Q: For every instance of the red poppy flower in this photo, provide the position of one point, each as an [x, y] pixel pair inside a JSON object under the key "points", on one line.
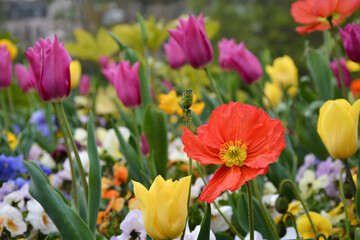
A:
{"points": [[315, 13], [244, 139]]}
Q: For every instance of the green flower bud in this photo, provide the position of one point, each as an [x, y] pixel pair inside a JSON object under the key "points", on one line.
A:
{"points": [[281, 229], [281, 205], [187, 98]]}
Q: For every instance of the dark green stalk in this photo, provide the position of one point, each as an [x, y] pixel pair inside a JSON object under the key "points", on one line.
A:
{"points": [[343, 200], [250, 211], [213, 86], [349, 177]]}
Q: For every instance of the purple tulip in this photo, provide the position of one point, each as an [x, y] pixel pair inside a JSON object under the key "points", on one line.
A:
{"points": [[49, 62], [5, 68], [24, 78], [238, 58], [350, 37], [84, 85], [144, 144], [174, 54], [192, 38], [126, 82], [345, 71]]}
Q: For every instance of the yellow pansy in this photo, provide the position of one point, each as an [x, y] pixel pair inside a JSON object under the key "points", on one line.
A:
{"points": [[352, 66], [11, 138], [322, 225], [169, 103], [284, 73], [164, 207], [75, 73], [273, 95], [293, 208], [338, 127], [10, 46]]}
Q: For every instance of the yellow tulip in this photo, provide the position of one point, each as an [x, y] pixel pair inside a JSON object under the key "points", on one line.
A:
{"points": [[352, 66], [273, 95], [75, 72], [338, 127], [322, 225], [284, 73], [164, 206], [10, 46]]}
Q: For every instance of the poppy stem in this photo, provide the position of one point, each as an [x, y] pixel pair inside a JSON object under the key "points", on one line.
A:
{"points": [[294, 224], [269, 221], [349, 177], [73, 144], [344, 203], [337, 56], [250, 211], [71, 161], [293, 187], [213, 86]]}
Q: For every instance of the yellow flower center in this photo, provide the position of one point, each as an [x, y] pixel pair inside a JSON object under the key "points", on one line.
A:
{"points": [[6, 165], [11, 225], [233, 153]]}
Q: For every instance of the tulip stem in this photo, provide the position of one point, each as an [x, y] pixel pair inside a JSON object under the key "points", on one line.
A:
{"points": [[349, 177], [68, 150], [11, 101], [250, 210], [337, 56], [77, 157], [269, 221], [213, 85], [293, 187], [343, 200], [4, 111]]}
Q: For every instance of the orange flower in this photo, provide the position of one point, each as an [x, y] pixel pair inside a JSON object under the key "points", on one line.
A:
{"points": [[315, 13], [121, 174], [355, 87], [110, 194], [244, 139]]}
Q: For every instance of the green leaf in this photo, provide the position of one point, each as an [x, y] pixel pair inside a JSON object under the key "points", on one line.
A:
{"points": [[205, 224], [121, 45], [143, 31], [69, 224], [44, 143], [319, 69], [135, 163], [94, 194], [144, 86], [155, 127], [357, 233]]}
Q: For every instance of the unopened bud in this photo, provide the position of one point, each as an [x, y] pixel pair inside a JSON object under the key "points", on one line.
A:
{"points": [[281, 205], [187, 98], [281, 229]]}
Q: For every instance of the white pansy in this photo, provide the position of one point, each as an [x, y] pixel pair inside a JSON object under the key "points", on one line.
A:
{"points": [[176, 151], [84, 158], [17, 198], [132, 224], [269, 201], [196, 189], [13, 219], [269, 188], [218, 224], [38, 218], [111, 142], [310, 185], [47, 161], [80, 135], [195, 234]]}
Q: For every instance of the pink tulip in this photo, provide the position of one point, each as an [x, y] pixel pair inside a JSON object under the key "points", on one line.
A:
{"points": [[345, 72], [192, 38], [104, 61], [24, 78], [174, 54], [84, 85], [5, 68], [109, 72], [49, 62], [126, 82], [238, 58]]}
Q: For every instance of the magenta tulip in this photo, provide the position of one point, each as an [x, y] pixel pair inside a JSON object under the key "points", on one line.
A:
{"points": [[350, 37], [109, 72], [5, 68], [175, 54], [126, 82], [24, 78], [192, 38], [84, 85], [104, 61], [145, 149], [240, 59], [49, 62], [345, 71]]}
